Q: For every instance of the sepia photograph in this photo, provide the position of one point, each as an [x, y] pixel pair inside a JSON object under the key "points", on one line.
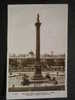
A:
{"points": [[37, 51]]}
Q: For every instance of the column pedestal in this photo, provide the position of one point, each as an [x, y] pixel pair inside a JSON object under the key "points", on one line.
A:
{"points": [[38, 74]]}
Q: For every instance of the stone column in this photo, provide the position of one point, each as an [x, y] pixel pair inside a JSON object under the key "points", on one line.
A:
{"points": [[38, 74], [37, 24]]}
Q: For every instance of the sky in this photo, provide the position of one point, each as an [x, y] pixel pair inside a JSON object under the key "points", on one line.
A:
{"points": [[22, 30]]}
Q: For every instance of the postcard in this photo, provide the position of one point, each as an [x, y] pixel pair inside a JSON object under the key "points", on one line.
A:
{"points": [[37, 51]]}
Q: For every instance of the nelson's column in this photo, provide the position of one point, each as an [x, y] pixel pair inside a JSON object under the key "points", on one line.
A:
{"points": [[38, 74]]}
